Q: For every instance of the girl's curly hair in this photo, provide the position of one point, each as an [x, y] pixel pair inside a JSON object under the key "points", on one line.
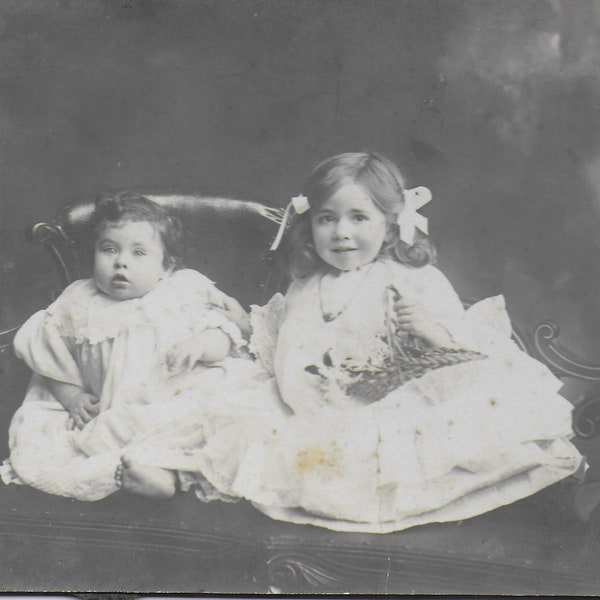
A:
{"points": [[383, 183], [131, 206]]}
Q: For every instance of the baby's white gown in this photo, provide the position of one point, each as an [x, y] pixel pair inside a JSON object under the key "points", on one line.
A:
{"points": [[116, 350], [452, 444]]}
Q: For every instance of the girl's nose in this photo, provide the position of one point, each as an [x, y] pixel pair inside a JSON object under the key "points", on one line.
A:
{"points": [[341, 231]]}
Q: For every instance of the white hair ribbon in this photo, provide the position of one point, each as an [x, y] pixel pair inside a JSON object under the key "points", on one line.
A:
{"points": [[409, 220], [300, 205]]}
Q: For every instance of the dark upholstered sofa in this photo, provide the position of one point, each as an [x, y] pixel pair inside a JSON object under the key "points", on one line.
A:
{"points": [[128, 543]]}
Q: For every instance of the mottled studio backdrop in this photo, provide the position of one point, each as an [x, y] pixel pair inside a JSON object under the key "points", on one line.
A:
{"points": [[495, 105]]}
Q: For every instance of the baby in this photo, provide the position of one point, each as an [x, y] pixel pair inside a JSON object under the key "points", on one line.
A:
{"points": [[113, 347]]}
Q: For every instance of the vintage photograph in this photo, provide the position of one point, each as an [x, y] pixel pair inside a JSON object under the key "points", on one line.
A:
{"points": [[300, 296]]}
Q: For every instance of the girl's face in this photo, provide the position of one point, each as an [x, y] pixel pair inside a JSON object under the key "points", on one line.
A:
{"points": [[128, 260], [348, 229]]}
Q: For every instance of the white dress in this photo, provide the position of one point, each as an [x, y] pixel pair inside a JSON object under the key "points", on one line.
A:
{"points": [[452, 444], [116, 350]]}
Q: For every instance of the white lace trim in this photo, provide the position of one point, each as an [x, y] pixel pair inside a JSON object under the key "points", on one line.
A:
{"points": [[84, 314], [264, 324], [202, 488]]}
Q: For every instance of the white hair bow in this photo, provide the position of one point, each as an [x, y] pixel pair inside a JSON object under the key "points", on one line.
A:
{"points": [[300, 205], [409, 220]]}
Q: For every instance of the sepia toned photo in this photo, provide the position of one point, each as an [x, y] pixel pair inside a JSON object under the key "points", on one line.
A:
{"points": [[300, 297]]}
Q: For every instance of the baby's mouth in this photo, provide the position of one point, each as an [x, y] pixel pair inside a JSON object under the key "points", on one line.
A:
{"points": [[120, 279]]}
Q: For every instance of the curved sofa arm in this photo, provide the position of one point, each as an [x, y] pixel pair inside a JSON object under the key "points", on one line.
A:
{"points": [[559, 359], [563, 363], [60, 248], [586, 418]]}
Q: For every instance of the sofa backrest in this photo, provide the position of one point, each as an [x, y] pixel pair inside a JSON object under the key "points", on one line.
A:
{"points": [[227, 240]]}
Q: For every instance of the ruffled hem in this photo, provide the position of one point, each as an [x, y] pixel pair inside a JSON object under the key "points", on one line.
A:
{"points": [[468, 506], [202, 488], [8, 475], [344, 471]]}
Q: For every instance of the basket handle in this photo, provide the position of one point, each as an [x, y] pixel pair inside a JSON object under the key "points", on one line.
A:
{"points": [[396, 340]]}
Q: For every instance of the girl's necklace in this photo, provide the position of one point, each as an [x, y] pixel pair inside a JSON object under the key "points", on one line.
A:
{"points": [[329, 316]]}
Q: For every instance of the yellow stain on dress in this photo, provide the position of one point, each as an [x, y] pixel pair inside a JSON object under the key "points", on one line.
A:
{"points": [[326, 462]]}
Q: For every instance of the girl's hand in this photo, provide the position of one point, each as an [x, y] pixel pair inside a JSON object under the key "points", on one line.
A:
{"points": [[411, 317], [83, 408]]}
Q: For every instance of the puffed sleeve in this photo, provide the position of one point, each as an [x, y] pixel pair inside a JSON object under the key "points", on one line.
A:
{"points": [[430, 287], [438, 296], [215, 319], [41, 345], [485, 326], [264, 324], [193, 301]]}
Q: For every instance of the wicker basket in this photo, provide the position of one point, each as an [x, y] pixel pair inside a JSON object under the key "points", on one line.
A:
{"points": [[400, 368], [407, 359]]}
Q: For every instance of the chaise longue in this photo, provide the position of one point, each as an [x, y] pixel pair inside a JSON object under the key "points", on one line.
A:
{"points": [[135, 544]]}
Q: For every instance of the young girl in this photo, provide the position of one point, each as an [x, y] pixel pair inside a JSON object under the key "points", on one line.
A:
{"points": [[407, 409], [114, 356]]}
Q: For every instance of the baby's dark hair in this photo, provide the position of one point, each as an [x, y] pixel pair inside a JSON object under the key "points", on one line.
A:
{"points": [[131, 206], [383, 183]]}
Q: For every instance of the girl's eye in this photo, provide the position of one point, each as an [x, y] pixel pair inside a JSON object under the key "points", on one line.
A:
{"points": [[139, 253], [326, 219], [361, 218], [109, 250]]}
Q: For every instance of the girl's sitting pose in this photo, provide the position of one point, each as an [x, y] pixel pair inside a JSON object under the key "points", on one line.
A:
{"points": [[113, 357], [407, 409]]}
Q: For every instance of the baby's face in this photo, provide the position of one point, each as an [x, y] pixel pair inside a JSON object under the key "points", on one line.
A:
{"points": [[128, 260]]}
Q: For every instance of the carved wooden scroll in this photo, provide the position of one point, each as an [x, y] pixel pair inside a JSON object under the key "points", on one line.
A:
{"points": [[61, 249], [586, 416]]}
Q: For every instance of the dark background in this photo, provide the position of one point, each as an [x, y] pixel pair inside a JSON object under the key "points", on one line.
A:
{"points": [[494, 105]]}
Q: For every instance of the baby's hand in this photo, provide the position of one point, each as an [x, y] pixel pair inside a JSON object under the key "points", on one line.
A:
{"points": [[83, 408], [231, 308], [185, 354]]}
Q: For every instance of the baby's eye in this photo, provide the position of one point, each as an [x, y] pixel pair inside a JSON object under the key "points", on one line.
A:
{"points": [[139, 253], [108, 250]]}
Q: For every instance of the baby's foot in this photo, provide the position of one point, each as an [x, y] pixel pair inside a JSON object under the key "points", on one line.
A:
{"points": [[146, 480]]}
